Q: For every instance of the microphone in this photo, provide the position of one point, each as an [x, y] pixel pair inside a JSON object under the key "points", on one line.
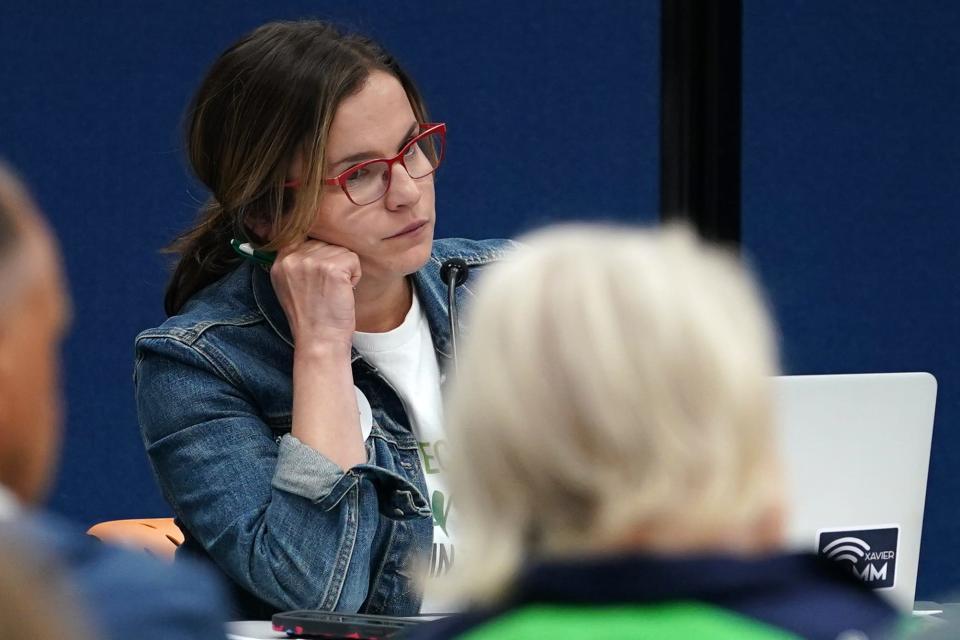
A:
{"points": [[454, 272]]}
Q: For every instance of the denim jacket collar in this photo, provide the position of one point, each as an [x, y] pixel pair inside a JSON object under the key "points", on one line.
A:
{"points": [[269, 304]]}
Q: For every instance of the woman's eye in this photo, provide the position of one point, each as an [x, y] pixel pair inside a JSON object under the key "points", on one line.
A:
{"points": [[357, 175], [412, 151]]}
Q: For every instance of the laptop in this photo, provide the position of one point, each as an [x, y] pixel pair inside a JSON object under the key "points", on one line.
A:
{"points": [[856, 449]]}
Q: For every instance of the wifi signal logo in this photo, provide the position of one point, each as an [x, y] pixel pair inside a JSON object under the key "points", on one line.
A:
{"points": [[847, 548], [871, 554]]}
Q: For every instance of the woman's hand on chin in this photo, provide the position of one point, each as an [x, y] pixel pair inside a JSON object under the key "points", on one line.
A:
{"points": [[314, 281]]}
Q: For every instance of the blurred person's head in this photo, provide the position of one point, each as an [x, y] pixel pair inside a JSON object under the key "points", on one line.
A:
{"points": [[33, 317], [614, 395]]}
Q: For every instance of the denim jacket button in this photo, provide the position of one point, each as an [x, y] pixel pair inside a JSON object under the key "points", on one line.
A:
{"points": [[398, 512]]}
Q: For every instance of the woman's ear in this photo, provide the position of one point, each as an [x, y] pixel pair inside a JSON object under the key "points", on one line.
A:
{"points": [[258, 230], [771, 527]]}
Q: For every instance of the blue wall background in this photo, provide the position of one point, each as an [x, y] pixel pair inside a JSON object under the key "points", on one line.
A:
{"points": [[851, 179], [553, 112]]}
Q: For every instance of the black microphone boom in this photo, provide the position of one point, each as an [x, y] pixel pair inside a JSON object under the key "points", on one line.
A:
{"points": [[454, 272]]}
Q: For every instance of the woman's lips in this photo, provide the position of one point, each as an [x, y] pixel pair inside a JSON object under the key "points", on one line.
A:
{"points": [[409, 229]]}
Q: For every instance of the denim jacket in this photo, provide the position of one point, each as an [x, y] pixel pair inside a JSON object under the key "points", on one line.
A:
{"points": [[284, 523]]}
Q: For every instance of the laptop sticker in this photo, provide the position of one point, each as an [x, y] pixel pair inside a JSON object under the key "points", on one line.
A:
{"points": [[870, 553]]}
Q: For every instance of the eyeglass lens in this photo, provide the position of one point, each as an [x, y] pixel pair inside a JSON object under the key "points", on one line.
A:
{"points": [[368, 183]]}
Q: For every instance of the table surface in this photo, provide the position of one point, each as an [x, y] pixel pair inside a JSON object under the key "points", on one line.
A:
{"points": [[263, 629], [252, 630]]}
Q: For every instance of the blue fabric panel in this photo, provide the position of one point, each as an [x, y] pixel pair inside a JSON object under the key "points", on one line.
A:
{"points": [[553, 110], [850, 188]]}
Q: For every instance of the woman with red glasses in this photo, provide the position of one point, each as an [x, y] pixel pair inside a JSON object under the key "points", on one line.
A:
{"points": [[290, 404]]}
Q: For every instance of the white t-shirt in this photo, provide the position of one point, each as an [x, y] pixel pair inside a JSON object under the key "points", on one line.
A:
{"points": [[406, 359]]}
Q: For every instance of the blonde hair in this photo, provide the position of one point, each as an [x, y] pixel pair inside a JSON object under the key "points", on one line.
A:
{"points": [[615, 381]]}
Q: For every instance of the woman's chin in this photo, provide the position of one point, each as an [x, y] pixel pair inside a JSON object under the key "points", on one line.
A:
{"points": [[418, 256], [398, 265]]}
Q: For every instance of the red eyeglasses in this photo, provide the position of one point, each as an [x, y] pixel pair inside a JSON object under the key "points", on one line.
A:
{"points": [[369, 181]]}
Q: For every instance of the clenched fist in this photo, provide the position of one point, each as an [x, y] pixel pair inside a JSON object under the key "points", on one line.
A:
{"points": [[314, 282]]}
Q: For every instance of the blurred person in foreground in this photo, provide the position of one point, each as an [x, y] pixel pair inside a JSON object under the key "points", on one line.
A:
{"points": [[613, 456], [123, 594], [30, 589]]}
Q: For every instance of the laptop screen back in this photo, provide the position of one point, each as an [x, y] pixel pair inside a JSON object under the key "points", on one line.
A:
{"points": [[856, 449]]}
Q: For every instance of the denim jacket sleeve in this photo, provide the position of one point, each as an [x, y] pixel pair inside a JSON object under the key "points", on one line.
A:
{"points": [[284, 522]]}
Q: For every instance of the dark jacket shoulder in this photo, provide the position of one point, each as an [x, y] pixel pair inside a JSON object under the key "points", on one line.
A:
{"points": [[123, 591]]}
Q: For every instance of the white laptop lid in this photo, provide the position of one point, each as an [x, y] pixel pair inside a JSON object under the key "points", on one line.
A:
{"points": [[856, 450]]}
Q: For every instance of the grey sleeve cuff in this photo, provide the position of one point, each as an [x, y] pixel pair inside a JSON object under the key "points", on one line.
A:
{"points": [[304, 471]]}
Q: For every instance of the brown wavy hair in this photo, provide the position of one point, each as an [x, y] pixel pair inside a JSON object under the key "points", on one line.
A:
{"points": [[266, 98]]}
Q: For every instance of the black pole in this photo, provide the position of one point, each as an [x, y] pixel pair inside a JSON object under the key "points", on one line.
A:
{"points": [[700, 131]]}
